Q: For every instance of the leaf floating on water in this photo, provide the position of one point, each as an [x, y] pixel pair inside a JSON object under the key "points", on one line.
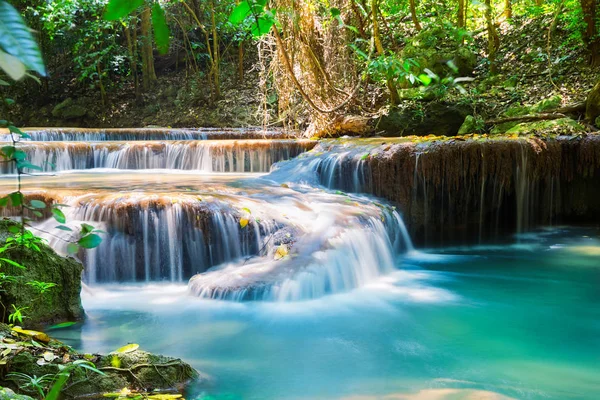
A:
{"points": [[285, 185], [281, 252], [243, 222], [127, 348], [247, 210], [62, 325]]}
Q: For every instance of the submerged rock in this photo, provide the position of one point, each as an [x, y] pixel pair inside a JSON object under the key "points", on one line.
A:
{"points": [[57, 304], [127, 368]]}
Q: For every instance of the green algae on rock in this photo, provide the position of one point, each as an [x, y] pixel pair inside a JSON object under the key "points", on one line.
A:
{"points": [[59, 303]]}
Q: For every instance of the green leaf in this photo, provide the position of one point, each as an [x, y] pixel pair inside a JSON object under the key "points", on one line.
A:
{"points": [[64, 228], [161, 29], [335, 12], [16, 199], [246, 209], [38, 204], [4, 201], [90, 241], [239, 13], [14, 68], [14, 229], [425, 79], [58, 215], [86, 228], [72, 248], [117, 9], [262, 26], [13, 263], [16, 39], [128, 348], [62, 325]]}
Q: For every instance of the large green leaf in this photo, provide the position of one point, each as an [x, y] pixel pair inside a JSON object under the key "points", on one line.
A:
{"points": [[239, 13], [117, 9], [90, 241], [16, 39], [14, 68], [262, 26], [161, 29]]}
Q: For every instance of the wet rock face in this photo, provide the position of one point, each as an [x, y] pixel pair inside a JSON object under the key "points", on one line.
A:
{"points": [[460, 190], [436, 118], [58, 304]]}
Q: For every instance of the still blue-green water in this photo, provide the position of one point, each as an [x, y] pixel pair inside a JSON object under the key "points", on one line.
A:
{"points": [[518, 320]]}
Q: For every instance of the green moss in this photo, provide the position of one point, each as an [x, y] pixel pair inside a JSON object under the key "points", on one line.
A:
{"points": [[547, 104], [559, 126], [58, 304], [7, 394]]}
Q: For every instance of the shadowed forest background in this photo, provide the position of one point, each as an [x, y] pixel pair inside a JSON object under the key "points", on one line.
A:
{"points": [[335, 67]]}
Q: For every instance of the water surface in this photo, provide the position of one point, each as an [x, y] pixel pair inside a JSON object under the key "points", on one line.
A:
{"points": [[515, 321]]}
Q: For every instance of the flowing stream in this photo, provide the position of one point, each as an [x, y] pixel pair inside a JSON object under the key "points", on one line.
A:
{"points": [[241, 257]]}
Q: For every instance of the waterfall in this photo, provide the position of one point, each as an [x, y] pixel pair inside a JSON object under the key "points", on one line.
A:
{"points": [[209, 156], [285, 236], [135, 134]]}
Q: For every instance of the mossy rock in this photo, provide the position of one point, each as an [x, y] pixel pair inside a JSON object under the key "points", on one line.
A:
{"points": [[137, 370], [7, 394], [69, 109], [437, 118], [469, 126], [547, 104], [560, 126], [58, 304]]}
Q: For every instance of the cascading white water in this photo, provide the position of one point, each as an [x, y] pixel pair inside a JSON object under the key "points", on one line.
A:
{"points": [[275, 237], [209, 156], [330, 258], [134, 134]]}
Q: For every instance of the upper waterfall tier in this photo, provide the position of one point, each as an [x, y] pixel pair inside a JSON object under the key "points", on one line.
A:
{"points": [[130, 134], [208, 155]]}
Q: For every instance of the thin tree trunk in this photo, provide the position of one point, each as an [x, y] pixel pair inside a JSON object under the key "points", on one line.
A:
{"points": [[461, 13], [148, 72], [493, 40], [132, 50], [391, 85], [241, 62], [413, 14], [216, 56]]}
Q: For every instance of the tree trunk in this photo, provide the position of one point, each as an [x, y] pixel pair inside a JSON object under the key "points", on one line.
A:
{"points": [[493, 40], [507, 9], [461, 14], [133, 60], [241, 62], [391, 85], [590, 35], [148, 72], [216, 56], [592, 104], [413, 14]]}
